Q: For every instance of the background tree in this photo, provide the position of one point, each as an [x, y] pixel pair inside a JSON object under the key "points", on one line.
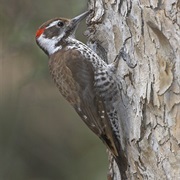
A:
{"points": [[149, 109], [35, 122]]}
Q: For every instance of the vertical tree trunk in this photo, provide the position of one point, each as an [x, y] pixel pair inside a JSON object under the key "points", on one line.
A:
{"points": [[149, 108]]}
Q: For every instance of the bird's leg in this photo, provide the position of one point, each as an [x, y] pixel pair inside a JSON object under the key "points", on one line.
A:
{"points": [[125, 56]]}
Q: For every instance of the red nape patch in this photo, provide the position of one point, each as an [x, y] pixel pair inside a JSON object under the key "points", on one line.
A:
{"points": [[39, 32]]}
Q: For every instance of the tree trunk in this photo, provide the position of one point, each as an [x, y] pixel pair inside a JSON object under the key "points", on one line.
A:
{"points": [[149, 108]]}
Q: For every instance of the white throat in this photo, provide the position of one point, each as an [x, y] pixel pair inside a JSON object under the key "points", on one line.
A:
{"points": [[49, 45]]}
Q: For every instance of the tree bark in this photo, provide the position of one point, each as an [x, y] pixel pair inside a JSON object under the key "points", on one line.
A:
{"points": [[149, 106]]}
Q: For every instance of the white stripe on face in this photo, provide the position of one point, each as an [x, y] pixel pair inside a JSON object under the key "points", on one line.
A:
{"points": [[52, 24], [49, 44]]}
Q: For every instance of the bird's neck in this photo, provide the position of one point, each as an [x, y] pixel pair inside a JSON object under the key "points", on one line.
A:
{"points": [[85, 51], [87, 54]]}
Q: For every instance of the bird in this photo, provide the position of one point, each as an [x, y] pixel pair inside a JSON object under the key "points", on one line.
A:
{"points": [[84, 79]]}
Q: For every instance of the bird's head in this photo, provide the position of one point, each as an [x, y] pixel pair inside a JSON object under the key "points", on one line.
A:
{"points": [[51, 33]]}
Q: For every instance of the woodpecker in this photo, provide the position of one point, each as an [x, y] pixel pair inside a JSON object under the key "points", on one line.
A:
{"points": [[84, 79]]}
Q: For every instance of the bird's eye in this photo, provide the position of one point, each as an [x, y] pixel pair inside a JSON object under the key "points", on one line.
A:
{"points": [[60, 24]]}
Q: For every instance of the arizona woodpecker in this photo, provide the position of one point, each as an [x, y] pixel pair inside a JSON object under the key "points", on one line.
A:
{"points": [[87, 82]]}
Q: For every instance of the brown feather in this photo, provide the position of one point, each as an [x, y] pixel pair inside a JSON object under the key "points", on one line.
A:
{"points": [[74, 76]]}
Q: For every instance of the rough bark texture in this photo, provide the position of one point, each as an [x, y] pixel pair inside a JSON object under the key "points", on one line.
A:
{"points": [[149, 109]]}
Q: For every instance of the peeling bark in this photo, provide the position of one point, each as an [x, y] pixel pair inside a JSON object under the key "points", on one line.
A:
{"points": [[149, 110]]}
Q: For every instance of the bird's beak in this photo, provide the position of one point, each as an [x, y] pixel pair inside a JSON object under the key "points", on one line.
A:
{"points": [[75, 21]]}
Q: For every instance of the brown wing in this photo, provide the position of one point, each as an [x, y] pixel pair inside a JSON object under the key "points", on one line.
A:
{"points": [[83, 75], [76, 83]]}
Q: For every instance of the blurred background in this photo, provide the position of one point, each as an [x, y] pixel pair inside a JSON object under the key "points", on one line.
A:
{"points": [[41, 137]]}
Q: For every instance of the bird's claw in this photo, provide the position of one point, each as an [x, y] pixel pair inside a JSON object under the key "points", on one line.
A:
{"points": [[125, 56]]}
